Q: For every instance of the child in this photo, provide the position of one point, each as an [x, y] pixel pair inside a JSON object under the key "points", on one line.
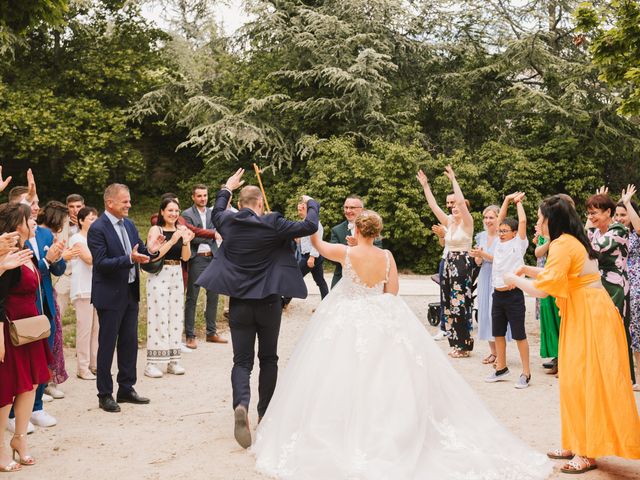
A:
{"points": [[508, 302]]}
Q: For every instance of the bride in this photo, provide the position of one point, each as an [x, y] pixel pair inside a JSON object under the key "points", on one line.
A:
{"points": [[368, 395]]}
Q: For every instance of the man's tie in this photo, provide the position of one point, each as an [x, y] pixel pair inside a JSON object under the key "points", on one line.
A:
{"points": [[127, 248]]}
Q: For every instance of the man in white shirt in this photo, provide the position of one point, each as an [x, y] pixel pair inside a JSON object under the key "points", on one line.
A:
{"points": [[508, 307], [311, 260]]}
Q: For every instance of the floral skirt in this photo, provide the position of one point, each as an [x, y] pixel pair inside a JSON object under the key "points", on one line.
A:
{"points": [[456, 297]]}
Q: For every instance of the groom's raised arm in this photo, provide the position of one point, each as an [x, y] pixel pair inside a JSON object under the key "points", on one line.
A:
{"points": [[308, 226]]}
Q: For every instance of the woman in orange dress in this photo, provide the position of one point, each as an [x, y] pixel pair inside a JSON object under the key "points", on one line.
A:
{"points": [[597, 406]]}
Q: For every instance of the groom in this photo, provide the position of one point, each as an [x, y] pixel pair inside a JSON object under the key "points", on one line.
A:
{"points": [[255, 267]]}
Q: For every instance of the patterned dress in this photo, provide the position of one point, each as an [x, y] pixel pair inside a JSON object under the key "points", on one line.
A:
{"points": [[633, 269], [165, 309], [549, 319], [613, 249]]}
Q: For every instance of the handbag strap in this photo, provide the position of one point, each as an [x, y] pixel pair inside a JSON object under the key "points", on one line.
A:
{"points": [[38, 277]]}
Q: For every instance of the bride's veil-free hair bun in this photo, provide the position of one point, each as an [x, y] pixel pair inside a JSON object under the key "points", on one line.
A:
{"points": [[369, 224]]}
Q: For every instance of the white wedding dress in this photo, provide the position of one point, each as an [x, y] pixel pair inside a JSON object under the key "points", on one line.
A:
{"points": [[368, 395]]}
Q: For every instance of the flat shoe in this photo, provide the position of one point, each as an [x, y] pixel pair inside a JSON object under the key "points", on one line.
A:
{"points": [[580, 466], [559, 454], [241, 430], [490, 359]]}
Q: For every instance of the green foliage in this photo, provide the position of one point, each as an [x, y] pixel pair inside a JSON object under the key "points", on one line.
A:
{"points": [[614, 29]]}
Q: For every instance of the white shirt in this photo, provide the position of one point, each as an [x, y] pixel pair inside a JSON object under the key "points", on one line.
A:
{"points": [[307, 247], [81, 273], [507, 258], [203, 247]]}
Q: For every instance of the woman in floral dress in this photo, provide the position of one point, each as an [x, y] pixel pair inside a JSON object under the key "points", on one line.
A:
{"points": [[627, 214], [458, 273], [610, 239]]}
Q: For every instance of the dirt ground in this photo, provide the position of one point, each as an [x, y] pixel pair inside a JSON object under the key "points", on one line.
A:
{"points": [[186, 430]]}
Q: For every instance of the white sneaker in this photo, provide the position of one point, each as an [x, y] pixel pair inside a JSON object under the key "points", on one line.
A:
{"points": [[53, 390], [11, 426], [152, 371], [185, 349], [441, 335], [43, 419], [47, 398], [175, 368]]}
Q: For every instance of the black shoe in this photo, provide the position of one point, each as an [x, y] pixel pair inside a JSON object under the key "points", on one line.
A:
{"points": [[550, 364], [108, 404], [131, 397]]}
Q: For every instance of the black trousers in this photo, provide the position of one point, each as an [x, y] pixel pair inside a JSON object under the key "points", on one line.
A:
{"points": [[317, 272], [118, 330], [248, 319]]}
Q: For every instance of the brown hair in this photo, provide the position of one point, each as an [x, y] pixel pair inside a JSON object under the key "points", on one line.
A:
{"points": [[84, 212], [249, 196], [199, 186], [74, 197], [53, 215], [16, 192], [601, 201], [369, 224], [12, 215]]}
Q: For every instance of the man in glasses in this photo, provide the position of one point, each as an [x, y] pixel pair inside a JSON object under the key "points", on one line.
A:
{"points": [[344, 232]]}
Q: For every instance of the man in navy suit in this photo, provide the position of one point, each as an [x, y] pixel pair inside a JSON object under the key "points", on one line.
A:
{"points": [[255, 266], [117, 251]]}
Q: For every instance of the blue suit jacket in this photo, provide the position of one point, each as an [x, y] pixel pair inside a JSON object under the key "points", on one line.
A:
{"points": [[111, 265], [255, 259], [44, 239]]}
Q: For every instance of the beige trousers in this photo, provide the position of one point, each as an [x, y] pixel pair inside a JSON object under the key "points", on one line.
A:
{"points": [[86, 334]]}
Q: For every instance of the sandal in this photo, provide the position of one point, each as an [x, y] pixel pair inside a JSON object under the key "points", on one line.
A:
{"points": [[560, 454], [10, 467], [490, 359], [581, 465], [459, 354]]}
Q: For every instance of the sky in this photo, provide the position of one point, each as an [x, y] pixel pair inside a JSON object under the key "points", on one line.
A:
{"points": [[231, 15]]}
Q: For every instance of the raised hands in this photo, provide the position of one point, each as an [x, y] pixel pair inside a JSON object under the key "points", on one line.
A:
{"points": [[5, 182], [9, 243], [603, 190], [31, 183], [627, 194], [234, 181], [448, 171], [515, 197], [422, 178], [439, 230]]}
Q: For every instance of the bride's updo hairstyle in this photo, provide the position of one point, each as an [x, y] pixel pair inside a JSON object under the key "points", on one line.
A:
{"points": [[369, 224]]}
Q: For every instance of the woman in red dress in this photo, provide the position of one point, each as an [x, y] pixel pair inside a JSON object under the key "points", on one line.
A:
{"points": [[21, 368]]}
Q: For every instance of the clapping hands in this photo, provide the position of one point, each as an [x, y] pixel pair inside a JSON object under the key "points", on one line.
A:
{"points": [[9, 243], [183, 233], [627, 194]]}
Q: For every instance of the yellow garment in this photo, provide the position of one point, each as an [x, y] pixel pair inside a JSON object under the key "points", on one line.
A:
{"points": [[597, 405]]}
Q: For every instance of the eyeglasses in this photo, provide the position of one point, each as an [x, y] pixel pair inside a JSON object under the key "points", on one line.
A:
{"points": [[351, 208], [504, 232]]}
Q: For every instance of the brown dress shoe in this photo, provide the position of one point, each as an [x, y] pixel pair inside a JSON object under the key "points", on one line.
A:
{"points": [[216, 339], [192, 343]]}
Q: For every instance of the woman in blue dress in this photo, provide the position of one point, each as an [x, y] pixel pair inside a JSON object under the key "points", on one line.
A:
{"points": [[483, 254]]}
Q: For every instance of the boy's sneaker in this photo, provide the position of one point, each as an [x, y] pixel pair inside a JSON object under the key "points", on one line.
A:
{"points": [[523, 381], [498, 375], [441, 335]]}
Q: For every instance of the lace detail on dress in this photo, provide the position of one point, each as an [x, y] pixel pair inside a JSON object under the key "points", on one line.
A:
{"points": [[356, 286]]}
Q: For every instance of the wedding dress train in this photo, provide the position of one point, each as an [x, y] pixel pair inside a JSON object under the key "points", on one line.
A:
{"points": [[368, 395]]}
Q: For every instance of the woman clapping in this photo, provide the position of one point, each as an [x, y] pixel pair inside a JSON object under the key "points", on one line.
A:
{"points": [[165, 294]]}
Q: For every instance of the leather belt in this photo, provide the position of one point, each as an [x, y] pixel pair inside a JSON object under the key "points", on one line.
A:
{"points": [[204, 254], [172, 262]]}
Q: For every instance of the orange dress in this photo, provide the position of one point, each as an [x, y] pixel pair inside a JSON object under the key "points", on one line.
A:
{"points": [[597, 405]]}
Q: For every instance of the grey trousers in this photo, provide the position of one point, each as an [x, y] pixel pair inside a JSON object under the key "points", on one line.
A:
{"points": [[197, 265]]}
